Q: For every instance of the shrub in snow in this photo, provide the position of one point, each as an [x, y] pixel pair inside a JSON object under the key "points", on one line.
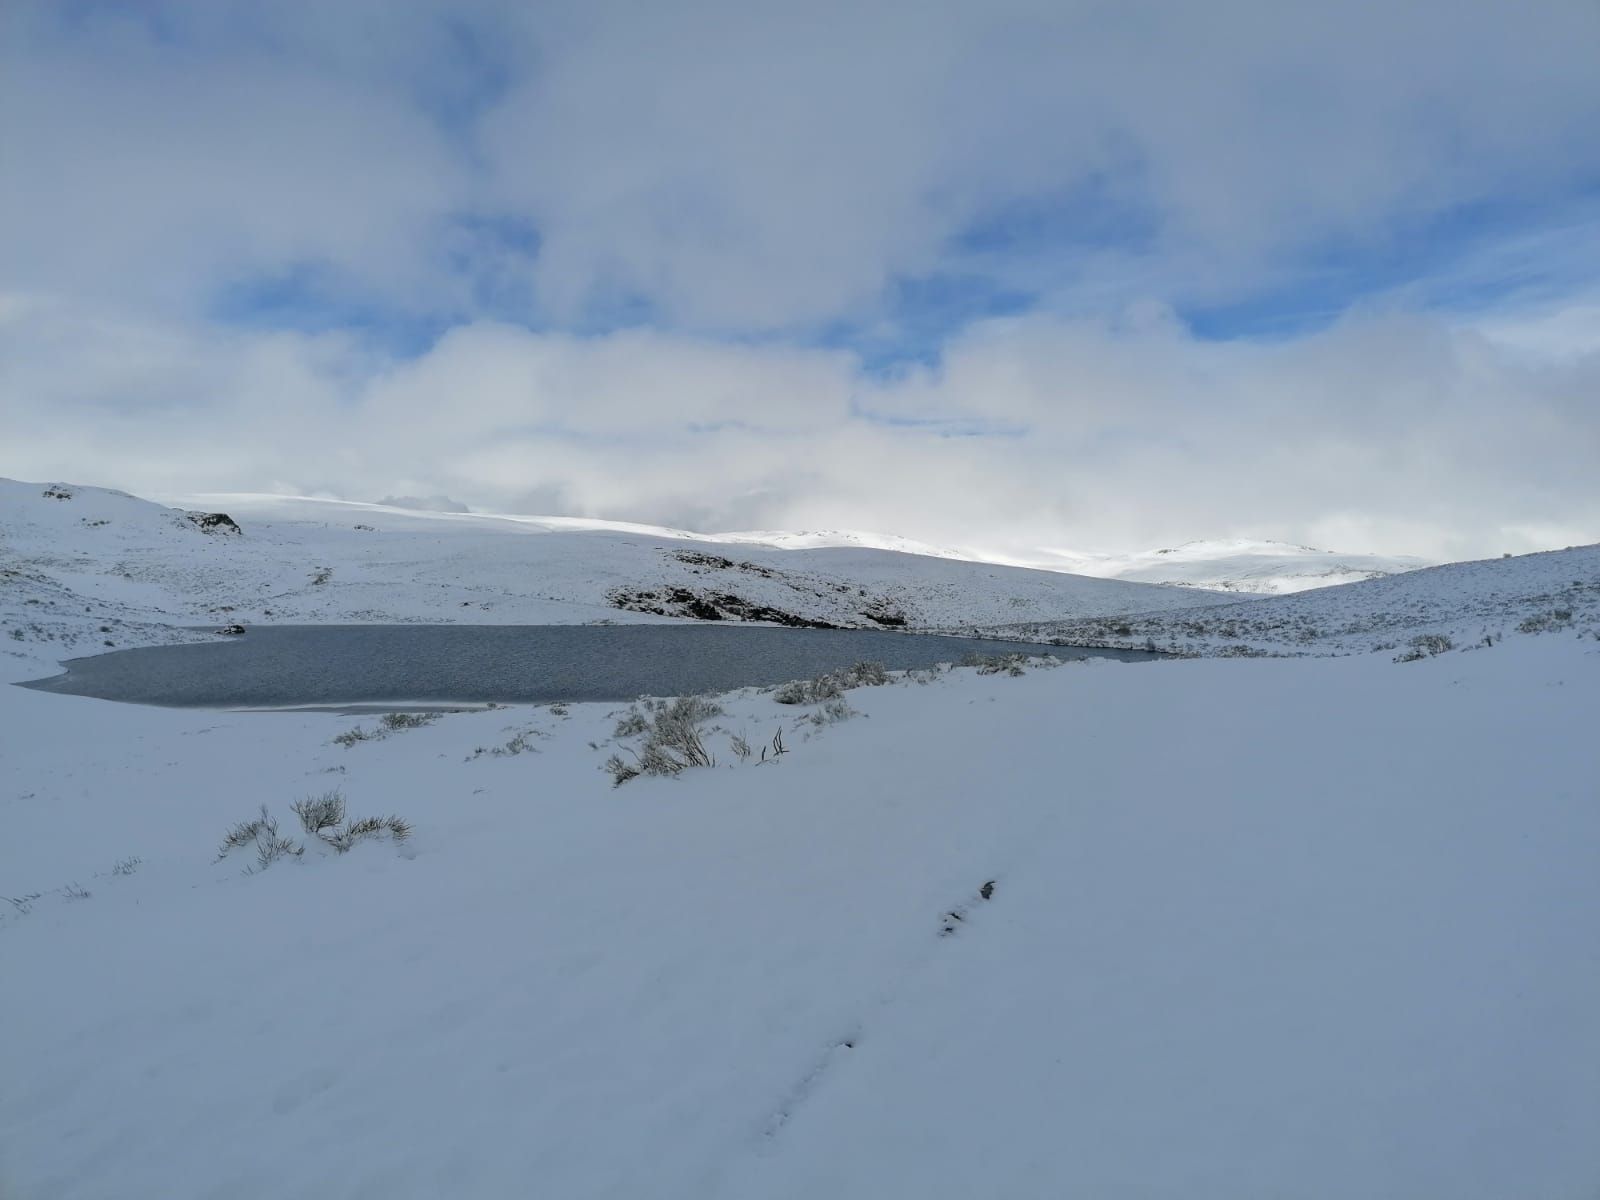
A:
{"points": [[995, 664], [1425, 645], [359, 830], [396, 721], [798, 691], [324, 817], [317, 813], [832, 685], [831, 712], [388, 723], [23, 904], [632, 724], [519, 742], [262, 834], [672, 739], [1547, 622]]}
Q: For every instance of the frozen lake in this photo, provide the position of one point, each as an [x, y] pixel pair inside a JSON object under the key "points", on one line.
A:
{"points": [[274, 666]]}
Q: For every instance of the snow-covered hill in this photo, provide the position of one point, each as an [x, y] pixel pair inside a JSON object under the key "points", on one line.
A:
{"points": [[83, 567], [1246, 566], [1464, 602], [1239, 565]]}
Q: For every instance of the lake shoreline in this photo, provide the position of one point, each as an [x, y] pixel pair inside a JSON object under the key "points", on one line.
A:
{"points": [[399, 667]]}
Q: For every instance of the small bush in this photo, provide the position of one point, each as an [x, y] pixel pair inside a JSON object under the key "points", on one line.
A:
{"points": [[798, 691], [672, 739], [632, 724], [621, 770], [351, 736], [367, 827], [995, 664], [317, 813], [23, 904], [1547, 622], [519, 743], [831, 712], [396, 721], [324, 817], [1425, 645], [832, 684], [262, 834]]}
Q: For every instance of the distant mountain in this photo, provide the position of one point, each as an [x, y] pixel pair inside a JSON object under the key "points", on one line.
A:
{"points": [[1241, 565], [1420, 613]]}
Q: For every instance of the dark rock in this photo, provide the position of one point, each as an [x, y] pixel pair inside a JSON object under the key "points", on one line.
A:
{"points": [[715, 562], [884, 616], [213, 522], [706, 606], [233, 630], [56, 492]]}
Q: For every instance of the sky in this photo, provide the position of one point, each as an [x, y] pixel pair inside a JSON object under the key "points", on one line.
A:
{"points": [[1094, 275]]}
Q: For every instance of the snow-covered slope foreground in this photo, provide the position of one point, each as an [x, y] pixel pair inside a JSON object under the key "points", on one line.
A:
{"points": [[1231, 565], [1202, 929], [1462, 602], [82, 567]]}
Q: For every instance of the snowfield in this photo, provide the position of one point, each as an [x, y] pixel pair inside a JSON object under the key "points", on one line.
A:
{"points": [[1319, 925], [1231, 565], [1311, 928], [1464, 603]]}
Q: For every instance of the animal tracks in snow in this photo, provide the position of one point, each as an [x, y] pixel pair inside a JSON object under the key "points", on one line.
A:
{"points": [[955, 918], [837, 1050]]}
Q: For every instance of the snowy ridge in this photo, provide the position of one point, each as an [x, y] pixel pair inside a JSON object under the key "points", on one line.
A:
{"points": [[1466, 602], [1243, 565], [85, 567]]}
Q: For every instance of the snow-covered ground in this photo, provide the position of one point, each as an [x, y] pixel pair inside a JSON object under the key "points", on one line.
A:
{"points": [[82, 568], [1304, 927], [1220, 928], [1465, 603], [1230, 565]]}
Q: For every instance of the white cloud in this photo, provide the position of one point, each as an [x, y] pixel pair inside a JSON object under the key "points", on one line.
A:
{"points": [[751, 166], [1386, 433]]}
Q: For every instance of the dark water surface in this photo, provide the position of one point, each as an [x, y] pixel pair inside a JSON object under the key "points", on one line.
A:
{"points": [[276, 666]]}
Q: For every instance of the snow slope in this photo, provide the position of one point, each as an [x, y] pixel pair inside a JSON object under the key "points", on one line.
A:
{"points": [[90, 566], [1232, 565], [1244, 565], [1465, 602], [1317, 928]]}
